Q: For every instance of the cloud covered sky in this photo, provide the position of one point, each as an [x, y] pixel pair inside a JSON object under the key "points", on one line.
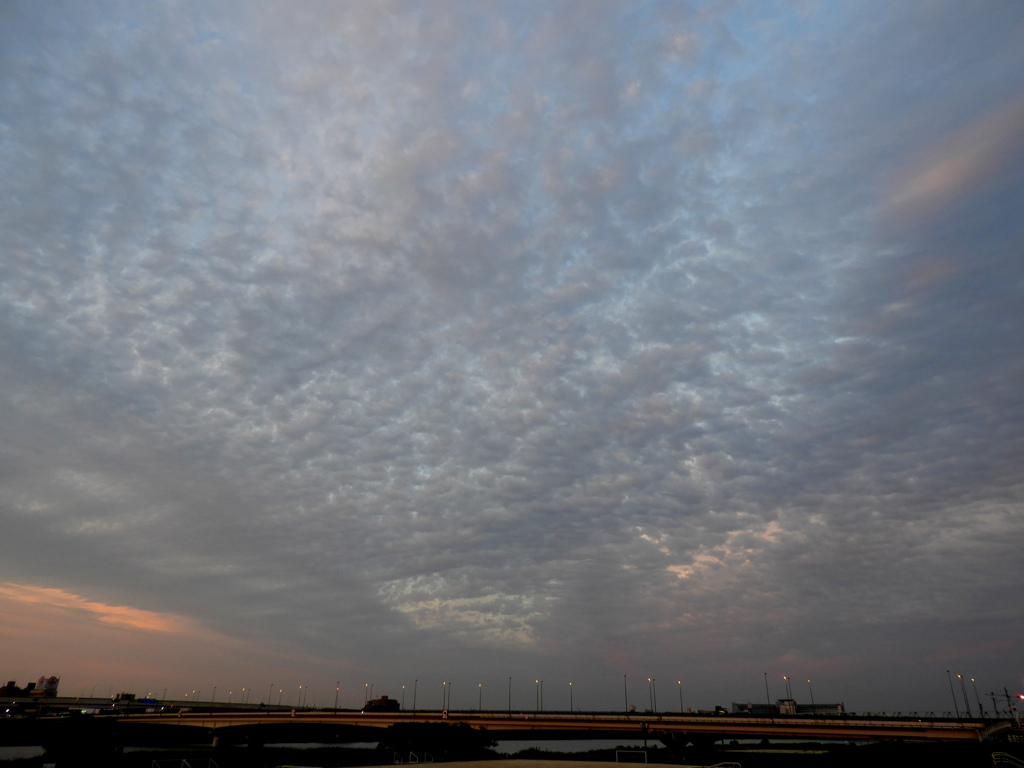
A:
{"points": [[460, 341]]}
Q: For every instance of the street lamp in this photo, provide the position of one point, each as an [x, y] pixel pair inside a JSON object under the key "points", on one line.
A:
{"points": [[403, 699], [337, 688], [536, 694], [963, 689], [510, 695], [570, 696], [652, 691], [444, 692], [415, 685], [955, 705], [811, 689], [479, 697], [625, 695], [680, 684]]}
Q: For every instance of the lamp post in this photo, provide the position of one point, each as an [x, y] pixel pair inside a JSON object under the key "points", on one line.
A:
{"points": [[337, 688], [963, 689], [680, 684], [510, 695], [243, 696], [270, 693], [444, 691], [625, 695], [298, 701], [536, 694], [955, 706], [789, 690], [811, 689], [403, 698], [366, 694], [981, 709], [415, 685], [479, 697], [570, 696], [766, 693], [280, 693]]}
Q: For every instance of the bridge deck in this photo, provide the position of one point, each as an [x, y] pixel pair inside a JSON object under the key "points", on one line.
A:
{"points": [[533, 725]]}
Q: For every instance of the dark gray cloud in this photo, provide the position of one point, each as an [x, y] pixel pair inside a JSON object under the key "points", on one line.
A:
{"points": [[573, 340]]}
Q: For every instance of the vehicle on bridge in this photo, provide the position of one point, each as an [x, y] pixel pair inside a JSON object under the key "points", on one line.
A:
{"points": [[383, 704]]}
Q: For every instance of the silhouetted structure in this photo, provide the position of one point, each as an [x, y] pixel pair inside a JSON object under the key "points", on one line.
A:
{"points": [[383, 704], [785, 707]]}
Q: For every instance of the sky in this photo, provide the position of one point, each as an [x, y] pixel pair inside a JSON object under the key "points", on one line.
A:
{"points": [[463, 345]]}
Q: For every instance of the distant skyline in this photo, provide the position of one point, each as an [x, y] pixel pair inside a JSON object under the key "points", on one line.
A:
{"points": [[367, 343]]}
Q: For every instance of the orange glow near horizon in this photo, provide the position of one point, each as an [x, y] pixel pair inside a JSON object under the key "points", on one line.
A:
{"points": [[115, 615], [85, 642]]}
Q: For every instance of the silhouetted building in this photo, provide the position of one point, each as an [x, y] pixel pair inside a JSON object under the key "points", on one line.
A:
{"points": [[46, 686]]}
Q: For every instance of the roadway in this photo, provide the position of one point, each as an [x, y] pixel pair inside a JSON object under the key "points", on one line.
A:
{"points": [[519, 726]]}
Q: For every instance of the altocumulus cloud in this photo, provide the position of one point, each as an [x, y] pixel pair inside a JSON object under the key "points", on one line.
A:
{"points": [[574, 339]]}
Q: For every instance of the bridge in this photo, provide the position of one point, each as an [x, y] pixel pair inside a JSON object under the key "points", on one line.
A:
{"points": [[366, 726]]}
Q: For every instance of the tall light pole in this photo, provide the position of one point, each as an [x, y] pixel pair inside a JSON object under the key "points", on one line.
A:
{"points": [[680, 684], [625, 694], [650, 692], [811, 689], [510, 695], [366, 694], [415, 686], [536, 694], [981, 709], [444, 691], [963, 689], [280, 693], [479, 697], [955, 706], [766, 693], [337, 689], [270, 694], [403, 698], [789, 690], [570, 696]]}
